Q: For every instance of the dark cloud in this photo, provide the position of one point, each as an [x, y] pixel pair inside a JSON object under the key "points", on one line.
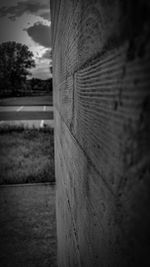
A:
{"points": [[28, 6], [40, 34]]}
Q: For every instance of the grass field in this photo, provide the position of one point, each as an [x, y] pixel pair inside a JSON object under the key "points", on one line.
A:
{"points": [[26, 155], [28, 226], [27, 101]]}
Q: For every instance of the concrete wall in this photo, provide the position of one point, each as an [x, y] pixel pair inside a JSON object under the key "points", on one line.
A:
{"points": [[101, 64]]}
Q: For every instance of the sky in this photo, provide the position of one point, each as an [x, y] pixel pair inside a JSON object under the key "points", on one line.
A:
{"points": [[28, 22]]}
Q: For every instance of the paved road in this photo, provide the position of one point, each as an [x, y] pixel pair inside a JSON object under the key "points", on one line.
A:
{"points": [[36, 116], [26, 108]]}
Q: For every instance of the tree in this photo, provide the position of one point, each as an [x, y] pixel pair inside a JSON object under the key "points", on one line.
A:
{"points": [[15, 61]]}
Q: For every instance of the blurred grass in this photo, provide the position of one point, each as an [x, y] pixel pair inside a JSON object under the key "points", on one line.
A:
{"points": [[26, 155]]}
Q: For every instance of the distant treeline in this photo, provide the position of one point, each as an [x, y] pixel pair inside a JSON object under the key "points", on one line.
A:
{"points": [[36, 86], [31, 87]]}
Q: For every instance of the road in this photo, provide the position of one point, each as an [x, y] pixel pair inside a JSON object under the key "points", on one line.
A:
{"points": [[37, 116]]}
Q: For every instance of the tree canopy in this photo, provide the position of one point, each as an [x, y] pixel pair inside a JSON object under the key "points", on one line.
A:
{"points": [[15, 61]]}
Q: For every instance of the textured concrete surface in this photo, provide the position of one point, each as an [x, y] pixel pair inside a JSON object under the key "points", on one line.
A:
{"points": [[27, 226], [101, 66]]}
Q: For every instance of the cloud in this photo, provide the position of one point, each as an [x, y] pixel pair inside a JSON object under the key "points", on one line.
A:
{"points": [[42, 72], [45, 15], [47, 54], [28, 6], [40, 34]]}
